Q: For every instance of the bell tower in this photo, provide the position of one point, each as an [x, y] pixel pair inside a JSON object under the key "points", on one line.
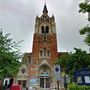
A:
{"points": [[44, 49]]}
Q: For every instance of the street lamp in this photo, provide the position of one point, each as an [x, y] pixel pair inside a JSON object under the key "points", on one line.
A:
{"points": [[65, 82], [66, 78]]}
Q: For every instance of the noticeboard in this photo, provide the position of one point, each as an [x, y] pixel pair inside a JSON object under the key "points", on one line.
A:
{"points": [[82, 77], [33, 81]]}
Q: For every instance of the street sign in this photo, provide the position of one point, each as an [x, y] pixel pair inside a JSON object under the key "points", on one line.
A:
{"points": [[57, 72]]}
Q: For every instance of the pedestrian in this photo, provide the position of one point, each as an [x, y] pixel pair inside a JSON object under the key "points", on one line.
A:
{"points": [[10, 83], [5, 83]]}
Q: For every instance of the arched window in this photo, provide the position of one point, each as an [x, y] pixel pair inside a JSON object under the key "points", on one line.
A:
{"points": [[48, 53], [41, 53], [45, 51], [42, 28], [47, 29]]}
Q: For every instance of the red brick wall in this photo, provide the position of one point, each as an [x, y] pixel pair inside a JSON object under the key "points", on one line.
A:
{"points": [[38, 44]]}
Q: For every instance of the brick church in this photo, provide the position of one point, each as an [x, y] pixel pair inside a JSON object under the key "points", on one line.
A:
{"points": [[38, 66]]}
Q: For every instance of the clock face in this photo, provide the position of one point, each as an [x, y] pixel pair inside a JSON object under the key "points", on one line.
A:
{"points": [[23, 70]]}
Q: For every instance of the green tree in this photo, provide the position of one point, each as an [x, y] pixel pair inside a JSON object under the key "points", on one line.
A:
{"points": [[9, 56], [70, 62], [85, 8]]}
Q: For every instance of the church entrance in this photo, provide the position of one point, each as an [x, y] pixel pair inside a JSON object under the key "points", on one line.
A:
{"points": [[45, 76], [44, 82]]}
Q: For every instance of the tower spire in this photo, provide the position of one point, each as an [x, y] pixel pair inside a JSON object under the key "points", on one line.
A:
{"points": [[45, 8]]}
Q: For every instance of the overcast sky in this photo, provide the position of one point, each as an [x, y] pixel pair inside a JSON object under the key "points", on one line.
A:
{"points": [[17, 17]]}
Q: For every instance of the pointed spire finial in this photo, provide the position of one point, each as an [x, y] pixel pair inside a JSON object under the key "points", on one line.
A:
{"points": [[45, 8]]}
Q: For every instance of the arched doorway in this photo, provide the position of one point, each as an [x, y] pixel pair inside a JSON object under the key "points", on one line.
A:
{"points": [[45, 76]]}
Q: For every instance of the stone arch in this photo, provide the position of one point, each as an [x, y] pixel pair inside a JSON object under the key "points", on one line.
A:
{"points": [[45, 74], [45, 26], [42, 29], [45, 68], [47, 29]]}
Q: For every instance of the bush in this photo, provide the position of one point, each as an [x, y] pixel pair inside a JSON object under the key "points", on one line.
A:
{"points": [[73, 86]]}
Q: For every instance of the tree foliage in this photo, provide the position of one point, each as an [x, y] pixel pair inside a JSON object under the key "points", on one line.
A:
{"points": [[70, 62], [9, 56], [86, 31], [85, 8]]}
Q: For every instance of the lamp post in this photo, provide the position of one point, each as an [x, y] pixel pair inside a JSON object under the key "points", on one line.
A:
{"points": [[66, 78], [65, 82]]}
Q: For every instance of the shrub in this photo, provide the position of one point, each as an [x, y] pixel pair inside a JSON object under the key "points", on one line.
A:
{"points": [[73, 86]]}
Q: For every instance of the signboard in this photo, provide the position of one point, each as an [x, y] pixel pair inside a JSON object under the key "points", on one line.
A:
{"points": [[87, 79], [33, 81], [82, 77], [57, 72]]}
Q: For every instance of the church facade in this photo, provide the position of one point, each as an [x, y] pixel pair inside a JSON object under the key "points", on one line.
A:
{"points": [[37, 68]]}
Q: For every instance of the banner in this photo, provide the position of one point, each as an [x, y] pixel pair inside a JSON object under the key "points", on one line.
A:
{"points": [[57, 72]]}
